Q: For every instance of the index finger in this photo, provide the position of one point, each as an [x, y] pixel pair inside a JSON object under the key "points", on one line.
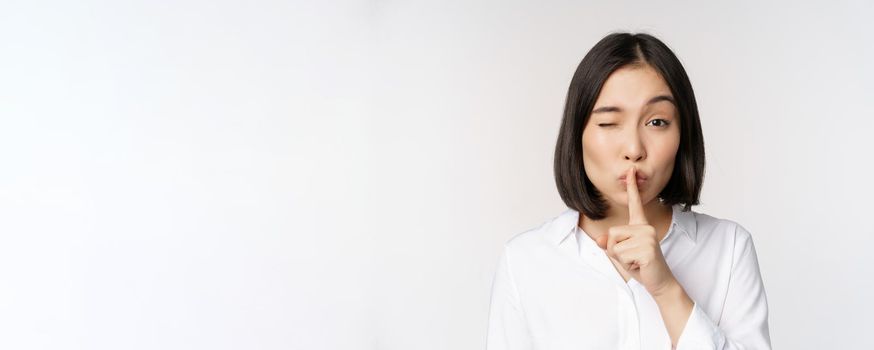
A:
{"points": [[635, 207]]}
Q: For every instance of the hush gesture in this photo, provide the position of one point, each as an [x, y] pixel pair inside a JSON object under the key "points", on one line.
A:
{"points": [[635, 246], [636, 249]]}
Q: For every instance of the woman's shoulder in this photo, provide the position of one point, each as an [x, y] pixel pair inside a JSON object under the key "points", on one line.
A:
{"points": [[712, 227], [546, 233]]}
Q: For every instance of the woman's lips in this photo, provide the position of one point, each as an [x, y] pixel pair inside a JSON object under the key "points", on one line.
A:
{"points": [[639, 176], [639, 181]]}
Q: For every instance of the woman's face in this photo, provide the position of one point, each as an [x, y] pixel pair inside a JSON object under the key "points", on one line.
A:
{"points": [[634, 123]]}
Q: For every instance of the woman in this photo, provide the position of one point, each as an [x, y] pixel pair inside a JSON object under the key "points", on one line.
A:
{"points": [[629, 265]]}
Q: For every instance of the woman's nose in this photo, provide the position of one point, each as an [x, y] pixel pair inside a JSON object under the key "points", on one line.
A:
{"points": [[633, 149]]}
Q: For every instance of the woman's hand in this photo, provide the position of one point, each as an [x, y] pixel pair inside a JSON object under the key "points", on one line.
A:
{"points": [[636, 248]]}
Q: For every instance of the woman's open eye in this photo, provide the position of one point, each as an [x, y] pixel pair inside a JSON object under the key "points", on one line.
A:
{"points": [[662, 122]]}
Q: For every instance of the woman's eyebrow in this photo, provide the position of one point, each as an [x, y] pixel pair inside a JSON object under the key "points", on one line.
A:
{"points": [[659, 98]]}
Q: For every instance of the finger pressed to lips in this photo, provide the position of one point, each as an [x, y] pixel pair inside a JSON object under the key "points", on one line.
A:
{"points": [[635, 207], [639, 182], [636, 216]]}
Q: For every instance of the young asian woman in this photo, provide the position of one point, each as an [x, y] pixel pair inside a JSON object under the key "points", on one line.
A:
{"points": [[629, 265]]}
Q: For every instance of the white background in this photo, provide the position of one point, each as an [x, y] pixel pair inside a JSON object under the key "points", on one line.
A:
{"points": [[274, 175]]}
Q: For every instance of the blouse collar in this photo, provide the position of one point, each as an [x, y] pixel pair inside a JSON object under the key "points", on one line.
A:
{"points": [[565, 224]]}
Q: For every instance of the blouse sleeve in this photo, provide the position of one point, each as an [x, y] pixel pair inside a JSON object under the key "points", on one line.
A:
{"points": [[744, 320], [507, 327]]}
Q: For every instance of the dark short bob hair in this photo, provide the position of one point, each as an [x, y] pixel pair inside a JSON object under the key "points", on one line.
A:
{"points": [[615, 51]]}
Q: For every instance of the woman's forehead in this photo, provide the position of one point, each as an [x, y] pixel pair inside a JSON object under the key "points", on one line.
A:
{"points": [[633, 86]]}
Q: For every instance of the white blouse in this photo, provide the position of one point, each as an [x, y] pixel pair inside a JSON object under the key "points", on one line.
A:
{"points": [[555, 289]]}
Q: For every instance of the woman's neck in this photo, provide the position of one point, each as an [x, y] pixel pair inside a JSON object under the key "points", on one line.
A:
{"points": [[658, 215]]}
